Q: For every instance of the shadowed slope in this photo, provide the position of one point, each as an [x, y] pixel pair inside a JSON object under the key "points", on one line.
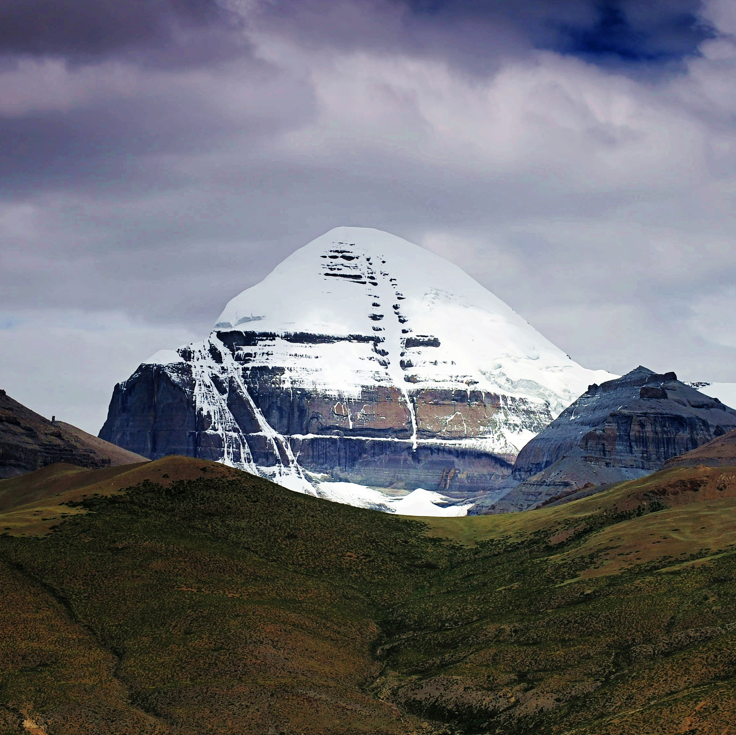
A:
{"points": [[29, 441]]}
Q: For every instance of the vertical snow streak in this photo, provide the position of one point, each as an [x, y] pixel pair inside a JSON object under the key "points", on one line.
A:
{"points": [[209, 402], [390, 329], [412, 414], [292, 475], [393, 345]]}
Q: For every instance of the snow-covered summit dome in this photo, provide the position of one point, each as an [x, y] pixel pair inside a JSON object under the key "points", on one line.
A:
{"points": [[331, 283], [437, 326]]}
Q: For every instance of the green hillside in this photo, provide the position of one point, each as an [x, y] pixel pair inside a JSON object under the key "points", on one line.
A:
{"points": [[221, 603]]}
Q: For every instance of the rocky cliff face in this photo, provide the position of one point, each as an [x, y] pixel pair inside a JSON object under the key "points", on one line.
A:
{"points": [[721, 452], [362, 358], [254, 424], [29, 441], [620, 430]]}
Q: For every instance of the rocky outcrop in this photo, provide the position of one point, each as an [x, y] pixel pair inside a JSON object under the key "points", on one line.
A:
{"points": [[619, 430], [29, 441], [364, 359], [720, 452], [253, 422]]}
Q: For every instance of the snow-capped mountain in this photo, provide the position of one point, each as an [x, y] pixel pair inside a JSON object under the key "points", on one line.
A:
{"points": [[361, 359]]}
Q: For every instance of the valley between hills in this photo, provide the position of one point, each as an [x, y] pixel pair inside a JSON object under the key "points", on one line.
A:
{"points": [[182, 596]]}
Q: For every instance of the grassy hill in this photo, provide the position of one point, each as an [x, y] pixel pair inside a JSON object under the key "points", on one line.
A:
{"points": [[32, 504], [213, 601], [28, 442]]}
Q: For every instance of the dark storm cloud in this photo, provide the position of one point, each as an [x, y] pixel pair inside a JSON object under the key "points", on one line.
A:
{"points": [[86, 30], [633, 30], [476, 35]]}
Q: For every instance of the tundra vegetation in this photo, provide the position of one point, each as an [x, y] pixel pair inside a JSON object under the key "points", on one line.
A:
{"points": [[182, 597]]}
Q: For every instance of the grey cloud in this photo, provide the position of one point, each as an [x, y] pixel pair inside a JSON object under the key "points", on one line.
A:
{"points": [[473, 36], [88, 30], [599, 209], [117, 142], [179, 256]]}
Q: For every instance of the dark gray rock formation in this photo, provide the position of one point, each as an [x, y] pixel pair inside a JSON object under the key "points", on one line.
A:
{"points": [[620, 430], [720, 452]]}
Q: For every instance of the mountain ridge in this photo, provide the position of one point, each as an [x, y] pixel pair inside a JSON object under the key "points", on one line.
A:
{"points": [[29, 441], [623, 429]]}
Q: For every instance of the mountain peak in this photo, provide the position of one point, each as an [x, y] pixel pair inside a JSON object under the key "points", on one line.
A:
{"points": [[638, 376], [361, 358], [332, 280], [432, 323]]}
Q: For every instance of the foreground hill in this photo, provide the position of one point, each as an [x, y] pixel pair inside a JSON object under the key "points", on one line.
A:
{"points": [[620, 430], [31, 504], [361, 358], [29, 441], [227, 604]]}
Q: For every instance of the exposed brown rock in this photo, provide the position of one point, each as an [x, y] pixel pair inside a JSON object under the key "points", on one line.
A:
{"points": [[367, 439]]}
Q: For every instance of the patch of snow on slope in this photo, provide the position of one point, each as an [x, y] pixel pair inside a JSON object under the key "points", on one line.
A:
{"points": [[419, 502], [422, 502]]}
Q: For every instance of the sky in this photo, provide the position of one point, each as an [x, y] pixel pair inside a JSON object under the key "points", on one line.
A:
{"points": [[157, 157]]}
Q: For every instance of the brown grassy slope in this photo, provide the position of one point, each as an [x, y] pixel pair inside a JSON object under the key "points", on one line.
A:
{"points": [[720, 452], [633, 633], [30, 505], [696, 514], [50, 661], [28, 441], [230, 606], [235, 606]]}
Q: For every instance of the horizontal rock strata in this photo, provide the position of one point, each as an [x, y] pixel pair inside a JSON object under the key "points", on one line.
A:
{"points": [[620, 430], [361, 358]]}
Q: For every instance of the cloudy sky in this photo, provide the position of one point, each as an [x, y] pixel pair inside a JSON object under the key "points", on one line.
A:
{"points": [[577, 157]]}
